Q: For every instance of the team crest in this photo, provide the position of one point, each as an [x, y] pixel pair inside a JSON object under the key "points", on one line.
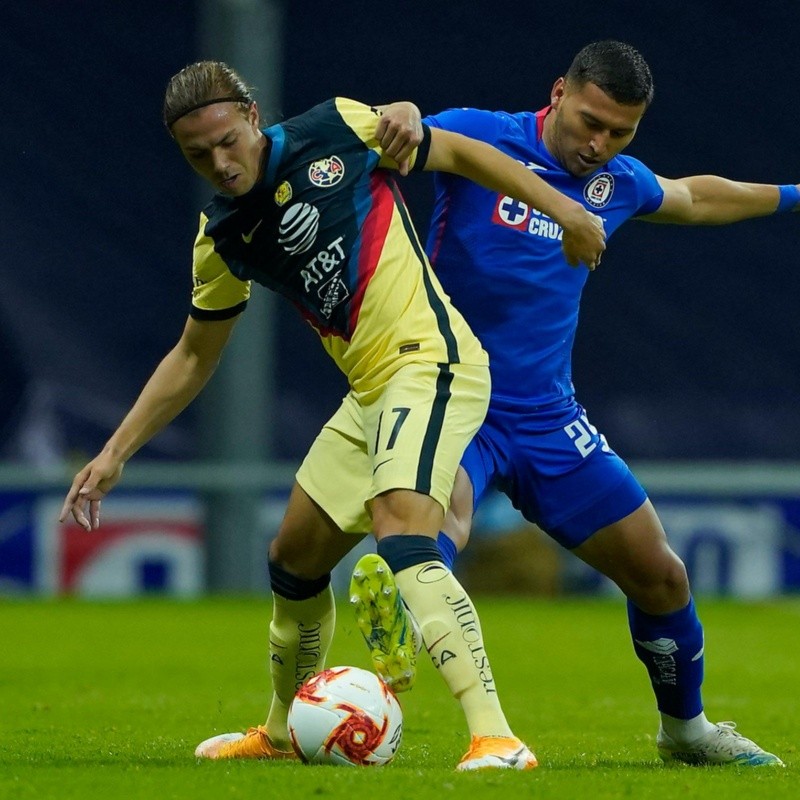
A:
{"points": [[326, 172], [283, 194], [599, 190]]}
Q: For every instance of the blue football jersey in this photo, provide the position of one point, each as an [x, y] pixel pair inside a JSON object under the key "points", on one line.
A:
{"points": [[501, 261]]}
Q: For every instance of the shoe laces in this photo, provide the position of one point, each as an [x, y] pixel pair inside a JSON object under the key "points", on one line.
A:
{"points": [[730, 739]]}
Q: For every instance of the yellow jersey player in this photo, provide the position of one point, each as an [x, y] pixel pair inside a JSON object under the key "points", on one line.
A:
{"points": [[309, 209]]}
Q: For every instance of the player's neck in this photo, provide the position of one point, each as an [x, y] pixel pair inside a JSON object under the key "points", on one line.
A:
{"points": [[548, 133]]}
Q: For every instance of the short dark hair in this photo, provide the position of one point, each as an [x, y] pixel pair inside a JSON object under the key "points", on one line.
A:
{"points": [[201, 84], [615, 67]]}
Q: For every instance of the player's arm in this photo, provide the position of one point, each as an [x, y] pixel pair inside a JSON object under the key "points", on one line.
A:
{"points": [[712, 200], [175, 383], [584, 238]]}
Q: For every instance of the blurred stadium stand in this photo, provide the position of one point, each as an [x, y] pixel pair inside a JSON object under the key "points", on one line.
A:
{"points": [[689, 344]]}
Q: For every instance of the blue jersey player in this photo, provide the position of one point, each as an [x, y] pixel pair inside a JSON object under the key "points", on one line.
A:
{"points": [[500, 262]]}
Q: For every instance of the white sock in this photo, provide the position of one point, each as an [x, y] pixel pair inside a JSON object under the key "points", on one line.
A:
{"points": [[686, 731]]}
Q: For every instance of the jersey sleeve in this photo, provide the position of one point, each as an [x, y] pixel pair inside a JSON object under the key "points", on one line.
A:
{"points": [[650, 195], [363, 120], [216, 292], [484, 125]]}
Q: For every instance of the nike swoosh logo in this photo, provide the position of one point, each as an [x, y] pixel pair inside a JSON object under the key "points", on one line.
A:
{"points": [[378, 466], [248, 237]]}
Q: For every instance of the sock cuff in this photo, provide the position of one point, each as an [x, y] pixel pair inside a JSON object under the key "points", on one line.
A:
{"points": [[687, 612], [403, 551], [291, 587]]}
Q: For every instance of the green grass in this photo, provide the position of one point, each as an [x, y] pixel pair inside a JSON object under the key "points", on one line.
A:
{"points": [[109, 700]]}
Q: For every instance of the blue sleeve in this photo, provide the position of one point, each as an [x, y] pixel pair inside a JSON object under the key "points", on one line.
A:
{"points": [[650, 195], [484, 125]]}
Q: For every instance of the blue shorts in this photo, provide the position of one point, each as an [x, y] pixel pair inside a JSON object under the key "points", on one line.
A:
{"points": [[554, 466]]}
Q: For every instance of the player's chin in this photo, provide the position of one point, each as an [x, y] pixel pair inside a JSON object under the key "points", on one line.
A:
{"points": [[581, 168]]}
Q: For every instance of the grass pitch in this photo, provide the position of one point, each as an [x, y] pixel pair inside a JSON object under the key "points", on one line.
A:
{"points": [[109, 700]]}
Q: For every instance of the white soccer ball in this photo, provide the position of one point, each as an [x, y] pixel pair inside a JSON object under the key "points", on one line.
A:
{"points": [[345, 715]]}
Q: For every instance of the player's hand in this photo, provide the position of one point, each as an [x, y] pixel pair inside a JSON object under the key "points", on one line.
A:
{"points": [[90, 486], [399, 132], [584, 238]]}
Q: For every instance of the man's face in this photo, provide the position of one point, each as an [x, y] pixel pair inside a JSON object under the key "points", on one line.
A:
{"points": [[222, 145], [586, 128]]}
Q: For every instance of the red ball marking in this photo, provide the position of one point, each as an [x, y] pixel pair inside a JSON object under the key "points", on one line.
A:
{"points": [[357, 735], [313, 690]]}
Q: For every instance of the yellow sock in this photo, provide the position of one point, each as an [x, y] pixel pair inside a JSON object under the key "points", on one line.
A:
{"points": [[300, 636], [453, 638]]}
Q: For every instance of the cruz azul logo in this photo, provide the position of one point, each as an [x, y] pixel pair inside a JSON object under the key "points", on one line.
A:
{"points": [[599, 190], [326, 172], [511, 213]]}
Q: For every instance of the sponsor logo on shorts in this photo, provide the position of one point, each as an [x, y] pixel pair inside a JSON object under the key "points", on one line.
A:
{"points": [[380, 464], [326, 172], [599, 190]]}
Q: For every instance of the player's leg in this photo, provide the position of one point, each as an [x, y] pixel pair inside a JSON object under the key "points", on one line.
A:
{"points": [[485, 457], [667, 637], [457, 525], [599, 511], [308, 545], [421, 455]]}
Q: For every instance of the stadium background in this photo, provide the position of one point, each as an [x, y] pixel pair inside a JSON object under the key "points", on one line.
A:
{"points": [[688, 349]]}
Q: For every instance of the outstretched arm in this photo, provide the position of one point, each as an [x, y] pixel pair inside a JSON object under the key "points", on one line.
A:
{"points": [[175, 383], [584, 238], [711, 200]]}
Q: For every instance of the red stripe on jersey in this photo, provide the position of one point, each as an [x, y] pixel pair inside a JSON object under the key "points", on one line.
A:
{"points": [[373, 237], [322, 330]]}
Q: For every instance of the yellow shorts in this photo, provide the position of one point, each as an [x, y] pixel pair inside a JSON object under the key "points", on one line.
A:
{"points": [[409, 433]]}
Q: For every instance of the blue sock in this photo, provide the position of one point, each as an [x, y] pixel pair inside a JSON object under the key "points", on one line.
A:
{"points": [[447, 547], [671, 647]]}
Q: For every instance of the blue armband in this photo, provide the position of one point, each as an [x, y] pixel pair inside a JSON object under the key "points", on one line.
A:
{"points": [[790, 197]]}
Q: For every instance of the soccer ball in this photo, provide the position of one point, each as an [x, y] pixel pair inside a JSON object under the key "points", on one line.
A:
{"points": [[345, 715]]}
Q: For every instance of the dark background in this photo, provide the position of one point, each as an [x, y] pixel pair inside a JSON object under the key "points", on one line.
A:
{"points": [[688, 346]]}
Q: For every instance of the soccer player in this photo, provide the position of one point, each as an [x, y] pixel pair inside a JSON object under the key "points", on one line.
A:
{"points": [[500, 262], [307, 208]]}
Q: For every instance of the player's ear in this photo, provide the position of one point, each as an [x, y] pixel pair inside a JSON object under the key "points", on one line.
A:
{"points": [[557, 92], [253, 115]]}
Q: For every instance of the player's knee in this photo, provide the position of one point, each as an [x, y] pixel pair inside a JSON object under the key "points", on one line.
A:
{"points": [[404, 511], [661, 588], [458, 520], [294, 558], [291, 586]]}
